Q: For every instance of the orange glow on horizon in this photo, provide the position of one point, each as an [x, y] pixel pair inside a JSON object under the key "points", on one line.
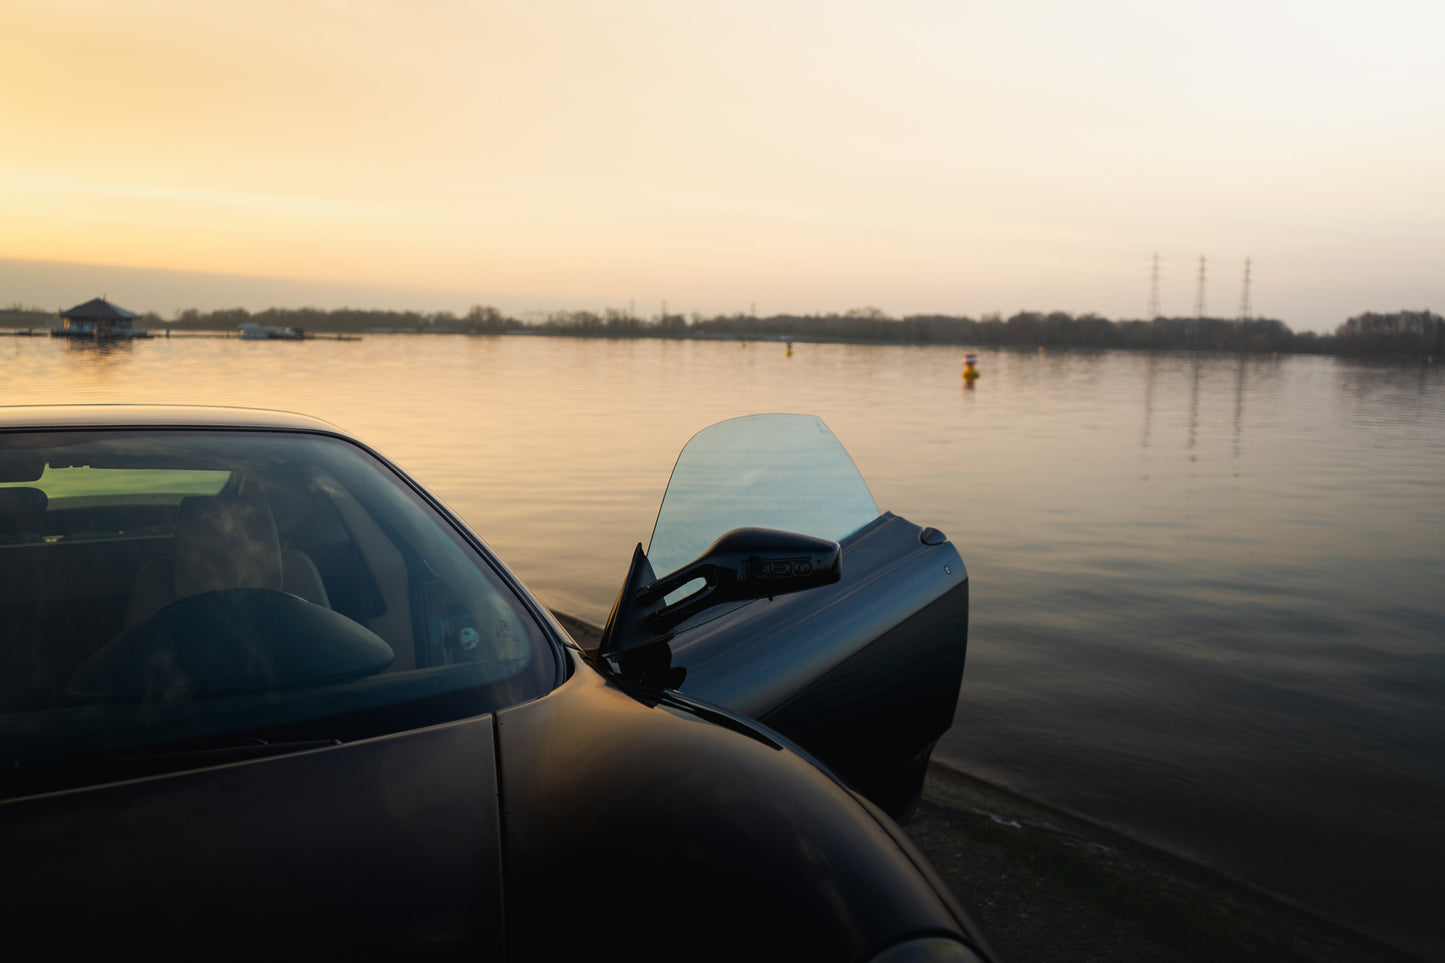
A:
{"points": [[818, 156]]}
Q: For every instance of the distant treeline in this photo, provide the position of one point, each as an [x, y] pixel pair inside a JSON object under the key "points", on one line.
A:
{"points": [[23, 318], [479, 320], [1403, 333], [1030, 328]]}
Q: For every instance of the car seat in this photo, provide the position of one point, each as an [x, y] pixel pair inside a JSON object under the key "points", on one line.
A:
{"points": [[223, 542]]}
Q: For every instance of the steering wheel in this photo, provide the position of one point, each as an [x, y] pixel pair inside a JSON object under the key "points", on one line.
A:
{"points": [[230, 642]]}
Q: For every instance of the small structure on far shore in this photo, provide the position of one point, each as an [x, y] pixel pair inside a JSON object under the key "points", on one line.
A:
{"points": [[98, 318], [255, 331]]}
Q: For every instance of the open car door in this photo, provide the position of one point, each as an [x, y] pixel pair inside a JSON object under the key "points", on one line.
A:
{"points": [[863, 672]]}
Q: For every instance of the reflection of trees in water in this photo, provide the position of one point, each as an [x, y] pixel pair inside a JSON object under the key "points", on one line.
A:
{"points": [[1377, 391]]}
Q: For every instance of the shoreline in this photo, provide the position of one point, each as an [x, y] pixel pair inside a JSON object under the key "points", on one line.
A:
{"points": [[1301, 344], [1045, 885]]}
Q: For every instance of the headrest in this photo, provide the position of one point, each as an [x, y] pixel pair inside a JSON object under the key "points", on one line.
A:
{"points": [[225, 542], [20, 507]]}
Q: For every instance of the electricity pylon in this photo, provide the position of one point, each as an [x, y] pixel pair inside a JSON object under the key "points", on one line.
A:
{"points": [[1199, 295], [1154, 289], [1244, 309]]}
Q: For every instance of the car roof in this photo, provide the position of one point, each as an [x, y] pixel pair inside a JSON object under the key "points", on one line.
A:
{"points": [[157, 416]]}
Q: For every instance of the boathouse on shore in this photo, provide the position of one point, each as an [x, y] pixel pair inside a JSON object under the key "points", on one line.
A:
{"points": [[97, 318]]}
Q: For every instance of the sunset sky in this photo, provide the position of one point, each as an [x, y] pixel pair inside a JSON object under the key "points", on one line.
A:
{"points": [[800, 156]]}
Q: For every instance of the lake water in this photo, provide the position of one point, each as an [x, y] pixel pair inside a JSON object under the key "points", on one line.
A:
{"points": [[1208, 593]]}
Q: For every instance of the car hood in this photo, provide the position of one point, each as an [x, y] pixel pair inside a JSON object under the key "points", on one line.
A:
{"points": [[665, 817]]}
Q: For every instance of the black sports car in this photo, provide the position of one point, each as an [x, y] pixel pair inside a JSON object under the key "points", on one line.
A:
{"points": [[263, 696]]}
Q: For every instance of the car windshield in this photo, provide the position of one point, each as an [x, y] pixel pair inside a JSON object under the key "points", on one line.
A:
{"points": [[163, 588]]}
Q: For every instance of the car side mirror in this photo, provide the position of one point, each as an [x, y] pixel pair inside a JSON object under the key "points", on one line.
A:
{"points": [[745, 563]]}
